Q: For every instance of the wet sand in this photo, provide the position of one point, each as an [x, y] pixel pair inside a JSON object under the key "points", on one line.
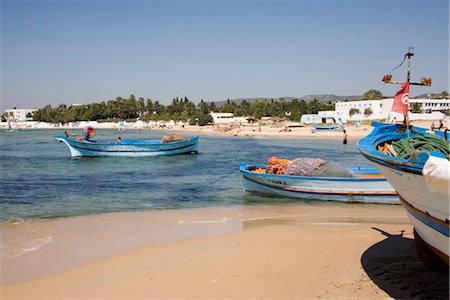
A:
{"points": [[297, 250]]}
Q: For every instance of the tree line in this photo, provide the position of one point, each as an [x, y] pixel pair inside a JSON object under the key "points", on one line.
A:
{"points": [[185, 110], [181, 109]]}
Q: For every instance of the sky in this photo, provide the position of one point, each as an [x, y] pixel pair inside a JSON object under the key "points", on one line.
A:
{"points": [[55, 52]]}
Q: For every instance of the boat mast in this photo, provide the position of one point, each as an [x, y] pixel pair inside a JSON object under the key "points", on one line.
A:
{"points": [[424, 81], [409, 55]]}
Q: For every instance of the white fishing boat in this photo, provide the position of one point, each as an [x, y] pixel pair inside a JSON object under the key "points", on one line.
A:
{"points": [[86, 146], [416, 164], [366, 185]]}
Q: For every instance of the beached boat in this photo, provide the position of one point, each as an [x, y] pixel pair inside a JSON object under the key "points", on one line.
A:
{"points": [[320, 128], [416, 163], [129, 147], [422, 182], [367, 185]]}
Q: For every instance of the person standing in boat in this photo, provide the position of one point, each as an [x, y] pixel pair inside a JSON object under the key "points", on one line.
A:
{"points": [[345, 137]]}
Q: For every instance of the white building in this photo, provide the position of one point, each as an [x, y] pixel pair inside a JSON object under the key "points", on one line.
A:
{"points": [[227, 118], [317, 119], [19, 114], [430, 105], [381, 109]]}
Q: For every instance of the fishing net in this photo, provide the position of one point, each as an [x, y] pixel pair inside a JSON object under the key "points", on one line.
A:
{"points": [[173, 138], [306, 166]]}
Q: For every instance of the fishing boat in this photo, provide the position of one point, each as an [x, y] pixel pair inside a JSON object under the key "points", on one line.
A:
{"points": [[416, 163], [320, 128], [426, 204], [366, 186], [128, 147]]}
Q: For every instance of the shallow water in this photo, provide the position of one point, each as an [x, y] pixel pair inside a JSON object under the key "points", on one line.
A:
{"points": [[39, 179]]}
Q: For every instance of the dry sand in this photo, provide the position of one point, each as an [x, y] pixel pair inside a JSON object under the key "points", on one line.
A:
{"points": [[279, 131], [289, 251]]}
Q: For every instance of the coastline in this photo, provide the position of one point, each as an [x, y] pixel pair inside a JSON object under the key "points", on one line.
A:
{"points": [[354, 133], [291, 250]]}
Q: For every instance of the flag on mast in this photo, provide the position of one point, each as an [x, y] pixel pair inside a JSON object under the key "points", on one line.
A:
{"points": [[401, 100]]}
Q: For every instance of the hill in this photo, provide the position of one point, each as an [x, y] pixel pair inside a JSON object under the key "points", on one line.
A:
{"points": [[307, 98]]}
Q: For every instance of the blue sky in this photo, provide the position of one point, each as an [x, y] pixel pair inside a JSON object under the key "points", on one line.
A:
{"points": [[89, 51]]}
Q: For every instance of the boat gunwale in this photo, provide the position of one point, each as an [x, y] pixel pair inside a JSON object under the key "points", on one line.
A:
{"points": [[244, 168], [389, 132], [126, 142]]}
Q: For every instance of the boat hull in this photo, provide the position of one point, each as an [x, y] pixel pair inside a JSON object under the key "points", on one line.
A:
{"points": [[361, 190], [129, 147], [327, 128], [428, 210]]}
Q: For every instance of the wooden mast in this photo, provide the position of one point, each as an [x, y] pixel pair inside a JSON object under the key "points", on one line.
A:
{"points": [[424, 81]]}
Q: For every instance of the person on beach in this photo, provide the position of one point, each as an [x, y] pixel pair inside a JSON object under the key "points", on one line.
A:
{"points": [[345, 137], [119, 140], [433, 126]]}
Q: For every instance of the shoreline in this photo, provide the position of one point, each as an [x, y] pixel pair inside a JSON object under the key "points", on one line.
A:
{"points": [[295, 250], [124, 231], [275, 131]]}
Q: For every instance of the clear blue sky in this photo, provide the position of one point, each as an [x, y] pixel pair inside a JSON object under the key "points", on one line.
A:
{"points": [[89, 51]]}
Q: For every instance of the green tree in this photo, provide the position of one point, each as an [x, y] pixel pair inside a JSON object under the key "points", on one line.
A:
{"points": [[415, 107], [353, 111], [372, 95], [314, 106], [367, 112]]}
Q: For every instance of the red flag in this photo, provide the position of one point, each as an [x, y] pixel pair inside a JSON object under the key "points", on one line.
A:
{"points": [[401, 100]]}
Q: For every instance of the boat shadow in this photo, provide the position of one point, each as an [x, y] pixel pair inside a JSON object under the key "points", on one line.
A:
{"points": [[394, 267]]}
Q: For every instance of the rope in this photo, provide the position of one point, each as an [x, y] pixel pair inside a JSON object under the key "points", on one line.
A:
{"points": [[405, 147], [404, 58], [214, 181]]}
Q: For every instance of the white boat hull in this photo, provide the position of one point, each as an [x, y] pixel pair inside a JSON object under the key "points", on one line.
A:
{"points": [[428, 211], [131, 148]]}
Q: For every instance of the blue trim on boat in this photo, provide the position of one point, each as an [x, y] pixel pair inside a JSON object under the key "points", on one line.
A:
{"points": [[129, 147], [124, 151], [390, 132], [427, 220], [343, 194], [245, 169]]}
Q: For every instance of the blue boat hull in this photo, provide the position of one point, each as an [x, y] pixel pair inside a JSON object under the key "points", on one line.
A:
{"points": [[362, 190], [129, 147], [327, 128]]}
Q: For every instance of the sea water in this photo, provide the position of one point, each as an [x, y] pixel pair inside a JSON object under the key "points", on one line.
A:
{"points": [[39, 178]]}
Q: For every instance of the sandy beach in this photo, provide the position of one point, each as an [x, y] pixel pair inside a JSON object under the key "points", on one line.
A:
{"points": [[288, 251], [280, 131], [354, 132]]}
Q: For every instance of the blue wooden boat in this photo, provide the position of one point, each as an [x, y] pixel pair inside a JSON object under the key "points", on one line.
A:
{"points": [[425, 195], [367, 185], [128, 147], [319, 128]]}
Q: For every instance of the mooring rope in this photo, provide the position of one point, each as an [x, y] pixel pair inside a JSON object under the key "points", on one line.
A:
{"points": [[214, 181]]}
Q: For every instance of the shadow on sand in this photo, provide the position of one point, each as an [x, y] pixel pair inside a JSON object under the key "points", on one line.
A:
{"points": [[393, 265]]}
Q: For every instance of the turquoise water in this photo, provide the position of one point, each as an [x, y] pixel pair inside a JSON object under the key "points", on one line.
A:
{"points": [[39, 179]]}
